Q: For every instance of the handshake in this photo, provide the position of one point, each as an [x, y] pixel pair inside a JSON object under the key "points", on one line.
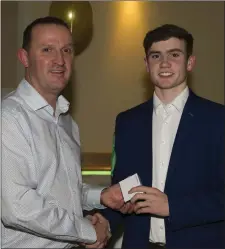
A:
{"points": [[125, 197], [115, 197]]}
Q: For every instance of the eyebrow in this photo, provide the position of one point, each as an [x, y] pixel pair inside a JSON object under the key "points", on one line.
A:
{"points": [[50, 44], [168, 51], [69, 45]]}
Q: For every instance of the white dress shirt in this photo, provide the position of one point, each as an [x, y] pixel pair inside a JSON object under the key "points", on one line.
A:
{"points": [[166, 119], [42, 192]]}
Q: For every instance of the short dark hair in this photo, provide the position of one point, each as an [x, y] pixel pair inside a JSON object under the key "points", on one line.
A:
{"points": [[27, 34], [166, 32]]}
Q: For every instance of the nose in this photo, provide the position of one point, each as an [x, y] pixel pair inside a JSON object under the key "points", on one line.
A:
{"points": [[165, 62], [59, 58]]}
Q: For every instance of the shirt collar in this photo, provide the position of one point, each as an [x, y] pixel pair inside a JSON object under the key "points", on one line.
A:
{"points": [[178, 102], [36, 101]]}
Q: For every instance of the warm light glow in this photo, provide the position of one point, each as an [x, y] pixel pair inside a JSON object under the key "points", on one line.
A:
{"points": [[130, 13], [131, 8], [127, 26], [70, 15]]}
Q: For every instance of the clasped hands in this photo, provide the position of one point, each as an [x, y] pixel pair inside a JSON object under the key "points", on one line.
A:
{"points": [[150, 200], [101, 226]]}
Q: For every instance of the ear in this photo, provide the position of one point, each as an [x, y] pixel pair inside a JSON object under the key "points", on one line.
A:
{"points": [[191, 63], [146, 64], [23, 57]]}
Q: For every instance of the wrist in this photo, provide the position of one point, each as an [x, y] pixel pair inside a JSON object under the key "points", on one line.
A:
{"points": [[102, 195]]}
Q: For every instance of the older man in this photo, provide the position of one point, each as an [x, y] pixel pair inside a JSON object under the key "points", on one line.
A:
{"points": [[43, 196]]}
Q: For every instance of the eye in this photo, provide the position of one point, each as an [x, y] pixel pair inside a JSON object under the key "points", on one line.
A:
{"points": [[175, 54], [154, 56], [68, 50], [47, 49]]}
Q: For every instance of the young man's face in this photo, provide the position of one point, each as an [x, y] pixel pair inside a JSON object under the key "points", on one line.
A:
{"points": [[48, 61], [167, 63]]}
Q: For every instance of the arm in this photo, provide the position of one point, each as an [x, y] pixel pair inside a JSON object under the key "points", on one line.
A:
{"points": [[23, 208], [113, 217], [91, 197], [90, 194]]}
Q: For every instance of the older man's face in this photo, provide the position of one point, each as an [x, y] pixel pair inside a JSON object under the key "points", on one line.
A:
{"points": [[49, 58]]}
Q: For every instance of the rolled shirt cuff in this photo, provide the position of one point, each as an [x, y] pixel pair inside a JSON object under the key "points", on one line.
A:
{"points": [[93, 197]]}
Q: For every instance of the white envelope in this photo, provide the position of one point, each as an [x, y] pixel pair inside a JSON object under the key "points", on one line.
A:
{"points": [[127, 184]]}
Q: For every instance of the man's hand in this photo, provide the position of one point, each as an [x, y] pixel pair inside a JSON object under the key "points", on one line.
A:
{"points": [[127, 208], [101, 226], [112, 197], [151, 201]]}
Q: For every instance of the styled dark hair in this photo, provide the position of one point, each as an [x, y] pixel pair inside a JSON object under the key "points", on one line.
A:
{"points": [[166, 32], [27, 34]]}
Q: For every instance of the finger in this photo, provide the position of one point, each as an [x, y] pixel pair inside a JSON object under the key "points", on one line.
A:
{"points": [[95, 245], [144, 210], [128, 208], [131, 209], [101, 245], [140, 196], [124, 208], [148, 190], [137, 208], [99, 217], [138, 189], [93, 219]]}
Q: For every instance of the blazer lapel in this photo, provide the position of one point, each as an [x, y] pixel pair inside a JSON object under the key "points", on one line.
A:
{"points": [[183, 131], [145, 172]]}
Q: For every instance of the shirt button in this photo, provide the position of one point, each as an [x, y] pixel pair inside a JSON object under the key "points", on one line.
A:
{"points": [[161, 164], [163, 142], [161, 227]]}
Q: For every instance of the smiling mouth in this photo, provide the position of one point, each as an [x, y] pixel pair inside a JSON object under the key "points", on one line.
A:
{"points": [[58, 71], [165, 74]]}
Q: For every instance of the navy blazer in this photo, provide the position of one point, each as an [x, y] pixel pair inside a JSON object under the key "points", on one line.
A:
{"points": [[195, 183]]}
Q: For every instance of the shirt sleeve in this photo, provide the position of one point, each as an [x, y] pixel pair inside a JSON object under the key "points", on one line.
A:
{"points": [[23, 208], [90, 194], [91, 197], [114, 217]]}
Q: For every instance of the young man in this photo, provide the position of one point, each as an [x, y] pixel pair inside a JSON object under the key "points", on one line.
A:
{"points": [[43, 196], [175, 142]]}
